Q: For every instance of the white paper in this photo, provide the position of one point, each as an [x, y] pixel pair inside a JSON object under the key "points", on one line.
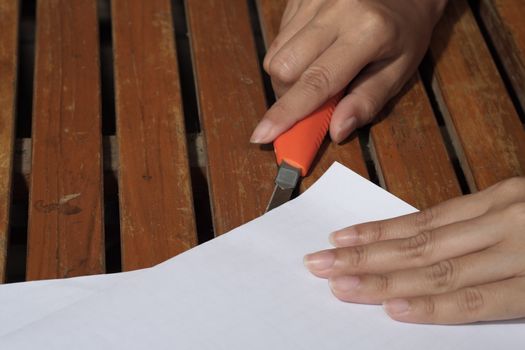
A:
{"points": [[24, 303], [248, 289]]}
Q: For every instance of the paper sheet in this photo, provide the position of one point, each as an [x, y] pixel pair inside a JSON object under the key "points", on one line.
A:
{"points": [[24, 303], [248, 289]]}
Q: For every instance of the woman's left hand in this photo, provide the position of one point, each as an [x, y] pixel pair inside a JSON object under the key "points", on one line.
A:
{"points": [[459, 262]]}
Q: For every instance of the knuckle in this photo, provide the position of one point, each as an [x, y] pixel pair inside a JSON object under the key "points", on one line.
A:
{"points": [[380, 24], [470, 300], [384, 284], [271, 52], [281, 68], [358, 256], [266, 63], [363, 231], [516, 213], [442, 275], [378, 233], [371, 232], [429, 306], [510, 186], [370, 105], [316, 80], [424, 219], [418, 246], [321, 22]]}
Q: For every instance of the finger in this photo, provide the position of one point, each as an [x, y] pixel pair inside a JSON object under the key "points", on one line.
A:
{"points": [[505, 193], [289, 27], [280, 88], [299, 52], [496, 197], [324, 78], [453, 210], [289, 12], [423, 249], [443, 277], [367, 96], [490, 302]]}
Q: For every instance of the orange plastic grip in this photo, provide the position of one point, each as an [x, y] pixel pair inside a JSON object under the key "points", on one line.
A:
{"points": [[299, 145]]}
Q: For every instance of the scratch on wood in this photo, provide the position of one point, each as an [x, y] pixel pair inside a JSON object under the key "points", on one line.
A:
{"points": [[68, 197]]}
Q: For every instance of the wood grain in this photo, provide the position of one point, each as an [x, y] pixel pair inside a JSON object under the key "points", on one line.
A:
{"points": [[410, 155], [486, 131], [348, 153], [65, 209], [504, 22], [270, 14], [9, 17], [156, 207], [231, 102]]}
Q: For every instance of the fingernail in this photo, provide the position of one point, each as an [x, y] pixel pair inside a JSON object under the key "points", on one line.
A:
{"points": [[396, 307], [319, 261], [344, 283], [346, 127], [261, 131], [344, 237]]}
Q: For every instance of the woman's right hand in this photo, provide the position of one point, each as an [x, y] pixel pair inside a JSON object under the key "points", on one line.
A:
{"points": [[325, 45]]}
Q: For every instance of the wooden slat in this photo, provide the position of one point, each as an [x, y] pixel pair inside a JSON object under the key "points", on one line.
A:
{"points": [[9, 16], [409, 152], [270, 14], [231, 102], [349, 153], [485, 128], [156, 207], [65, 209], [506, 27]]}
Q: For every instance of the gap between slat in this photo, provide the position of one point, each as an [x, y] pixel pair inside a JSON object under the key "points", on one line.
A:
{"points": [[16, 256], [498, 60]]}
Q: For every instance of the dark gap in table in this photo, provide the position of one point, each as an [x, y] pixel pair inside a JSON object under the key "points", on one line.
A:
{"points": [[426, 71], [475, 5], [261, 51], [186, 71], [110, 177]]}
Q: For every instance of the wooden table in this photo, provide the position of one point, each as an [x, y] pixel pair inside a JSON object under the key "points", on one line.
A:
{"points": [[131, 141]]}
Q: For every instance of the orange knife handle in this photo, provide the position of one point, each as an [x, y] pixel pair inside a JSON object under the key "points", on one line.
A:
{"points": [[299, 145]]}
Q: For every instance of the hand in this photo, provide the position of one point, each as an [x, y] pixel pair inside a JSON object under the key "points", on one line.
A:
{"points": [[462, 261], [324, 45]]}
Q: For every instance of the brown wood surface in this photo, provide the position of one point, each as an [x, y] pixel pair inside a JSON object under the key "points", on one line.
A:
{"points": [[157, 218], [9, 16], [505, 24], [486, 131], [156, 207], [270, 14], [349, 153], [409, 152], [65, 209], [231, 102]]}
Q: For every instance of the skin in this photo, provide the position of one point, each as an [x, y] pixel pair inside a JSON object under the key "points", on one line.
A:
{"points": [[371, 46], [462, 261]]}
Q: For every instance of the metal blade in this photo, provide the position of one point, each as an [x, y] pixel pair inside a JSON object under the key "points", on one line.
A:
{"points": [[279, 197], [285, 182]]}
